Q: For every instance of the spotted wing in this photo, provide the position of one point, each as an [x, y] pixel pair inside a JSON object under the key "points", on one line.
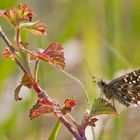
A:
{"points": [[126, 89]]}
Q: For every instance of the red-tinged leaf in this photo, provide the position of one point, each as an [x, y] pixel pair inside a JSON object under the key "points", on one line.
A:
{"points": [[7, 53], [26, 13], [33, 57], [16, 15], [101, 106], [42, 107], [88, 120], [27, 81], [68, 105], [54, 55], [24, 44], [37, 28], [17, 90], [92, 122]]}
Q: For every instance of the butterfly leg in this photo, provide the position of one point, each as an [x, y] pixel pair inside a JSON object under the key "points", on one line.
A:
{"points": [[113, 102], [101, 95]]}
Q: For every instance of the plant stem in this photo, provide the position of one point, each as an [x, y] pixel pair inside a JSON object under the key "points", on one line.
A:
{"points": [[17, 37], [70, 128], [81, 84], [36, 70], [69, 117], [6, 40], [42, 93], [12, 49], [61, 117]]}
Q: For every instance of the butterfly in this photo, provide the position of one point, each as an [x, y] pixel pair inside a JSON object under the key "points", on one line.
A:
{"points": [[125, 89]]}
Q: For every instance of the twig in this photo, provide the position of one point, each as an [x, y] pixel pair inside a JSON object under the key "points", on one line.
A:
{"points": [[36, 70], [70, 128], [42, 93], [6, 40], [12, 49], [61, 117]]}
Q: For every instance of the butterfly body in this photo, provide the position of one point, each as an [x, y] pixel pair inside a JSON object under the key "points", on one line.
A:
{"points": [[125, 89]]}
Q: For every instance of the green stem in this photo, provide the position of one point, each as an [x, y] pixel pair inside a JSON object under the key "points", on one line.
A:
{"points": [[81, 84]]}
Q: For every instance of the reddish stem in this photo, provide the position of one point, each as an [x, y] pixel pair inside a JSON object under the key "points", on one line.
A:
{"points": [[17, 36], [37, 88], [42, 93]]}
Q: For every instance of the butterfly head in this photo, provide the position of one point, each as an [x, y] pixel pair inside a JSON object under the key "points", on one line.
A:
{"points": [[102, 84], [105, 88]]}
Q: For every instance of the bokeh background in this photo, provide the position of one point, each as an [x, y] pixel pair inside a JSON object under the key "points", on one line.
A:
{"points": [[100, 38]]}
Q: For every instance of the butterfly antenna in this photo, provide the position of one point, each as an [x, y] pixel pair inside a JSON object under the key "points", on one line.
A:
{"points": [[95, 79]]}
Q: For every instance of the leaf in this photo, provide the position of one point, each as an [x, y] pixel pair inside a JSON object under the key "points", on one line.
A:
{"points": [[101, 106], [54, 55], [41, 107], [92, 122], [7, 53], [37, 27], [88, 119], [55, 131], [68, 105], [24, 44], [17, 90], [27, 81], [16, 15]]}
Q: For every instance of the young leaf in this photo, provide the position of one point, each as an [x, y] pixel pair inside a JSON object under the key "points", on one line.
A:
{"points": [[37, 28], [68, 105], [101, 106], [54, 55], [42, 107], [88, 119], [17, 90], [16, 15], [55, 131], [92, 122], [7, 53], [27, 81]]}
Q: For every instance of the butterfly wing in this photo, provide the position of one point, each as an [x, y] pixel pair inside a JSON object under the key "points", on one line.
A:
{"points": [[126, 89]]}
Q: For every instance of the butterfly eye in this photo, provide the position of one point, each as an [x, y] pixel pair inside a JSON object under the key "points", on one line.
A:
{"points": [[102, 83]]}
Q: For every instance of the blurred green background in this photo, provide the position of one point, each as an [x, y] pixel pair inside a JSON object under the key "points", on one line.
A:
{"points": [[100, 38]]}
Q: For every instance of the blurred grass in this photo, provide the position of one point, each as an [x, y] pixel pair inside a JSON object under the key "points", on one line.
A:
{"points": [[109, 32]]}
